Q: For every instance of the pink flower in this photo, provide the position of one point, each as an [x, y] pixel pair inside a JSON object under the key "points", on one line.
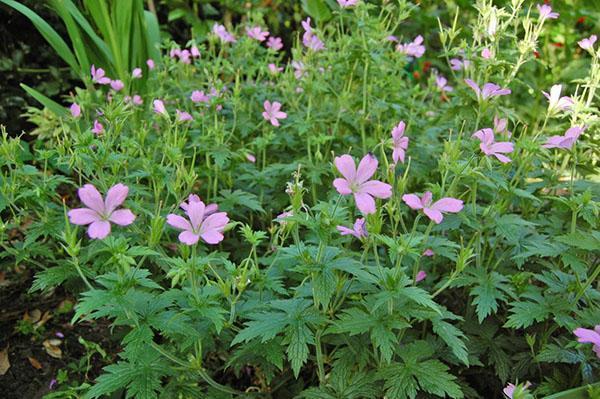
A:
{"points": [[486, 53], [273, 112], [174, 53], [391, 38], [412, 49], [490, 147], [309, 39], [433, 211], [150, 63], [184, 56], [251, 158], [136, 73], [116, 85], [202, 223], [257, 33], [356, 182], [546, 12], [509, 390], [299, 69], [274, 69], [195, 52], [501, 126], [588, 43], [199, 97], [457, 65], [428, 252], [75, 110], [98, 76], [359, 230], [441, 83], [98, 128], [159, 107], [586, 336], [489, 90], [100, 213], [421, 275], [183, 116], [275, 43], [347, 3], [137, 99], [400, 142], [208, 210], [223, 34], [567, 140], [557, 103]]}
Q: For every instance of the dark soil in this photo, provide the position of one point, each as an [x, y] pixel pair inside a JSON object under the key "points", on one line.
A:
{"points": [[31, 368]]}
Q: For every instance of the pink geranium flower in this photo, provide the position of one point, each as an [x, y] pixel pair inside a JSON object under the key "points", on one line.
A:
{"points": [[98, 128], [567, 140], [489, 90], [273, 112], [100, 213], [150, 63], [428, 252], [433, 211], [358, 230], [274, 69], [75, 110], [556, 103], [412, 49], [400, 142], [490, 147], [137, 99], [183, 116], [588, 43], [203, 223], [208, 209], [159, 107], [509, 390], [299, 69], [223, 34], [257, 33], [309, 39], [356, 182], [501, 126], [136, 73], [546, 12], [98, 76], [457, 64], [347, 3], [195, 52], [442, 83], [486, 53], [199, 97], [421, 275], [116, 85], [251, 158], [586, 336], [275, 43]]}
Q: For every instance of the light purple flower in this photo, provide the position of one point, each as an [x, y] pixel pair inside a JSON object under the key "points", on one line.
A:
{"points": [[501, 126], [273, 112], [75, 110], [492, 148], [150, 63], [251, 158], [309, 39], [223, 34], [458, 64], [257, 33], [183, 116], [199, 97], [588, 43], [274, 69], [586, 336], [428, 252], [52, 384], [356, 182], [159, 107], [195, 52], [546, 12], [98, 128], [208, 209], [98, 76], [136, 73], [137, 99], [59, 334], [347, 3], [100, 213], [400, 142], [299, 69], [209, 227], [442, 83], [433, 211], [359, 229], [489, 90], [557, 103], [567, 140], [116, 85], [275, 43], [185, 56], [174, 53], [486, 53], [391, 38], [421, 275], [509, 390], [412, 49]]}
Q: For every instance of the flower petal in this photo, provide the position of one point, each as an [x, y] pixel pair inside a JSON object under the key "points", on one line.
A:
{"points": [[196, 213], [434, 215], [365, 203], [412, 200], [122, 217], [83, 216], [116, 196], [89, 195], [585, 335], [376, 188], [342, 186], [346, 166], [188, 238], [99, 229], [178, 222], [366, 168], [212, 237], [216, 221], [447, 204]]}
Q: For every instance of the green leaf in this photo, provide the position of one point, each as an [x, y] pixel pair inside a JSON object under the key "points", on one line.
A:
{"points": [[52, 105], [453, 337], [317, 9], [580, 240], [263, 325]]}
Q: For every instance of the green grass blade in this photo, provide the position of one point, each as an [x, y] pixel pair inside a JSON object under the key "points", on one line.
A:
{"points": [[576, 393], [51, 36], [75, 36], [52, 105], [152, 36]]}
